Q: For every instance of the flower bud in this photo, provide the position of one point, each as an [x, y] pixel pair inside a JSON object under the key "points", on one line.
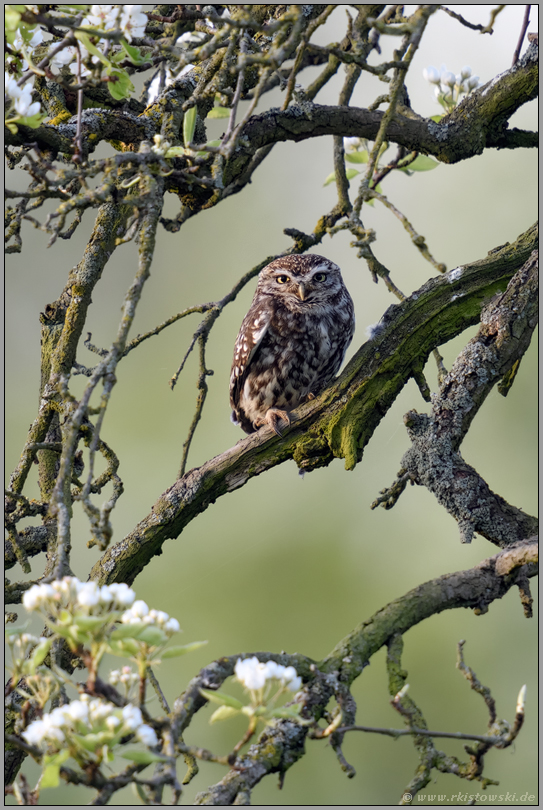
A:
{"points": [[431, 74]]}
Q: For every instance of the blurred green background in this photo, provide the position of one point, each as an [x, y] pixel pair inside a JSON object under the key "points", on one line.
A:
{"points": [[291, 564]]}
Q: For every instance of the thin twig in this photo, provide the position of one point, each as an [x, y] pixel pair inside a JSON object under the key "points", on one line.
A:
{"points": [[409, 732], [462, 20], [156, 686], [418, 240], [158, 329], [525, 24]]}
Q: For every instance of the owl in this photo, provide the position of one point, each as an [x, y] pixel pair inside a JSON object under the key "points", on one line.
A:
{"points": [[292, 341]]}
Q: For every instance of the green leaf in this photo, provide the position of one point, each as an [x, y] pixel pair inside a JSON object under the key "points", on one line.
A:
{"points": [[12, 17], [173, 652], [39, 655], [51, 769], [122, 86], [189, 125], [134, 54], [176, 151], [85, 41], [223, 713], [437, 118], [219, 112], [59, 630], [202, 153], [125, 649], [32, 121], [222, 699], [16, 631], [422, 163], [152, 636], [128, 629], [90, 742], [144, 757], [350, 173], [357, 157], [89, 622]]}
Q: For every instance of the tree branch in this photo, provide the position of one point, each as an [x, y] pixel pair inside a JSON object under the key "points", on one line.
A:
{"points": [[434, 460], [280, 746], [340, 422]]}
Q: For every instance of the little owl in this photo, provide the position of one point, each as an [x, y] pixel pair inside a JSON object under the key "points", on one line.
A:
{"points": [[291, 342]]}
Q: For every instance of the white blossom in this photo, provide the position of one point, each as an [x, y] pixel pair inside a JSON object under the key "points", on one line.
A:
{"points": [[291, 679], [35, 732], [432, 74], [133, 21], [78, 710], [190, 37], [123, 595], [131, 717], [250, 672], [99, 710], [473, 82], [466, 72], [273, 670], [146, 735], [139, 609], [171, 626], [253, 674], [103, 16], [113, 722], [448, 79], [38, 595], [89, 595]]}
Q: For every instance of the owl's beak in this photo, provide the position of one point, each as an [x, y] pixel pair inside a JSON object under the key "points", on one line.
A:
{"points": [[301, 292]]}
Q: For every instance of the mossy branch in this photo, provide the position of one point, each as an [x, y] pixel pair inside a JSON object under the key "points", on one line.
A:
{"points": [[342, 420], [280, 746]]}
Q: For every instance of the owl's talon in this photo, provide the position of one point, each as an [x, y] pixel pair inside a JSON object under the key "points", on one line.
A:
{"points": [[273, 418]]}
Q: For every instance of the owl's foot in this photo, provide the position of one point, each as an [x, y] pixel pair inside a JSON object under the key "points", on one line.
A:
{"points": [[273, 418]]}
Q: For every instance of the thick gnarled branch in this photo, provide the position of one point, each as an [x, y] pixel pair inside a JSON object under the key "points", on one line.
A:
{"points": [[280, 746], [342, 420], [507, 325]]}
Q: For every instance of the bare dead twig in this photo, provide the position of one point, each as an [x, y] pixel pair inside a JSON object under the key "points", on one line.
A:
{"points": [[524, 28]]}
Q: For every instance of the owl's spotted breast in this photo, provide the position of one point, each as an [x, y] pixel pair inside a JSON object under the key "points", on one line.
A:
{"points": [[292, 341]]}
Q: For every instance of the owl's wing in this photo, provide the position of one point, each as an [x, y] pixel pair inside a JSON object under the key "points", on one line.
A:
{"points": [[253, 331]]}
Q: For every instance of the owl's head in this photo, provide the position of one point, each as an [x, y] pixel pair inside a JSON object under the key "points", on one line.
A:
{"points": [[301, 282]]}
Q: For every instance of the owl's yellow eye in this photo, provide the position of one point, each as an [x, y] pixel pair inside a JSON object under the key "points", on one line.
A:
{"points": [[282, 279], [320, 276]]}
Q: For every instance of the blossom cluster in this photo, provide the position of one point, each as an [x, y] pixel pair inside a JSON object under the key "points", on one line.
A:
{"points": [[80, 718], [139, 613], [33, 37], [123, 677], [85, 596], [448, 86], [20, 97], [129, 19], [254, 675]]}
